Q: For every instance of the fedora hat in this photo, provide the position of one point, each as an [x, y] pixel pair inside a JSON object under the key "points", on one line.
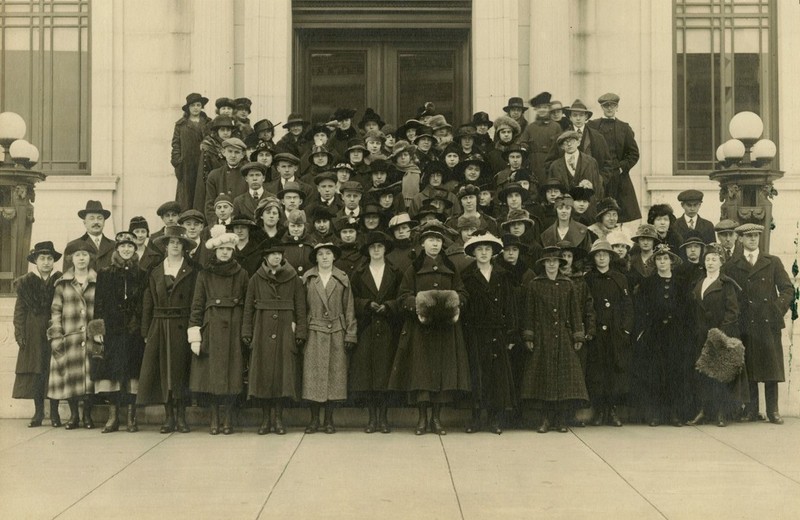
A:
{"points": [[43, 248], [376, 237], [578, 106], [264, 124], [174, 232], [222, 122], [194, 97], [486, 239], [295, 119], [94, 206], [312, 255], [515, 102]]}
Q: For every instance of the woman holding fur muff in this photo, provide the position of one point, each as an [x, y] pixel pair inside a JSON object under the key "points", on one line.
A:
{"points": [[723, 387], [431, 361], [117, 324], [215, 325]]}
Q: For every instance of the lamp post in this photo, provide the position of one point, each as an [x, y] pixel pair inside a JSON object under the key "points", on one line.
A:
{"points": [[745, 178], [17, 180]]}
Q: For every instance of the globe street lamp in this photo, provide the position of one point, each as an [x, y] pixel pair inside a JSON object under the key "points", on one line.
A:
{"points": [[745, 178], [17, 179]]}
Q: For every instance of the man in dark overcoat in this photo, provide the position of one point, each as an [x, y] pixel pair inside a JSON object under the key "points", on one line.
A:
{"points": [[767, 292], [94, 218], [624, 156], [540, 134]]}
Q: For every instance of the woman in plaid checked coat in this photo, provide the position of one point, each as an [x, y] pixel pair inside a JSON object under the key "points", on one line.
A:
{"points": [[72, 309]]}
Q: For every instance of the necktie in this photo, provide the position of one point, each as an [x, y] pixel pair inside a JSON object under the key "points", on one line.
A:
{"points": [[691, 223], [255, 195], [751, 257], [580, 131], [352, 213], [572, 163]]}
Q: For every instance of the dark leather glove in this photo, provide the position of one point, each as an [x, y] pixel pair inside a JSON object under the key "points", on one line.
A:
{"points": [[349, 346], [300, 343]]}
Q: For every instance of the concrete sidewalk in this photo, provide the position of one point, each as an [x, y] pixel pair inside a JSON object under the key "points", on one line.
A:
{"points": [[742, 471]]}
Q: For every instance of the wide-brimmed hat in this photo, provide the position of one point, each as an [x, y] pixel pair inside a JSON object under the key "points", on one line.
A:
{"points": [[515, 102], [510, 240], [515, 148], [356, 143], [192, 214], [476, 159], [312, 255], [515, 216], [645, 231], [400, 219], [481, 118], [370, 115], [385, 189], [225, 102], [486, 239], [124, 237], [552, 183], [664, 249], [254, 166], [551, 252], [411, 123], [578, 106], [295, 119], [438, 122], [376, 237], [94, 206], [543, 98], [292, 187], [513, 187], [264, 124], [402, 146], [241, 220], [138, 222], [194, 97], [606, 205], [423, 132], [660, 210], [222, 122], [43, 248], [344, 113], [619, 236], [221, 238], [601, 245], [174, 232], [692, 237]]}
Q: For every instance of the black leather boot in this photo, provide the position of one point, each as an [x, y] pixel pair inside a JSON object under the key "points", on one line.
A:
{"points": [[422, 421], [214, 428], [38, 413], [474, 424], [266, 410], [613, 418], [383, 419], [436, 421], [328, 424], [112, 424], [313, 425], [88, 404], [698, 419], [496, 421], [180, 417], [599, 417], [751, 409], [74, 414], [227, 419], [133, 426], [169, 418], [55, 416], [280, 429], [372, 424], [771, 398]]}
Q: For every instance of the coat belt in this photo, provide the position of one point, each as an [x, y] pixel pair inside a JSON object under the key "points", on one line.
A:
{"points": [[223, 302]]}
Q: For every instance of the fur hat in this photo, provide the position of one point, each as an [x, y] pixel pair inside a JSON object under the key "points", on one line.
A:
{"points": [[296, 216], [722, 357], [506, 122], [124, 237], [660, 210], [606, 205], [138, 222], [220, 238], [437, 307]]}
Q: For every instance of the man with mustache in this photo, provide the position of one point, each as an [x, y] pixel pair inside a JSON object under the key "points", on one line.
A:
{"points": [[94, 220]]}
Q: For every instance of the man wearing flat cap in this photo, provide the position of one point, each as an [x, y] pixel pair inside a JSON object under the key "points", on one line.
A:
{"points": [[94, 218], [227, 178], [727, 238], [767, 292], [691, 200], [540, 135], [287, 166], [624, 154]]}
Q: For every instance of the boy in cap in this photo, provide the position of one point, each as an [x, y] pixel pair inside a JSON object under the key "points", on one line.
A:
{"points": [[226, 179], [767, 292], [351, 192], [623, 154], [325, 195], [288, 165], [94, 218], [690, 201], [255, 174], [193, 223], [574, 166], [540, 134]]}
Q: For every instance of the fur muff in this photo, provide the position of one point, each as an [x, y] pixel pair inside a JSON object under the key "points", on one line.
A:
{"points": [[95, 327], [722, 357], [436, 306]]}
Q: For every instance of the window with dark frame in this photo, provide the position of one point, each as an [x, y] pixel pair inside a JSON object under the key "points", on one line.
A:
{"points": [[724, 64], [45, 78]]}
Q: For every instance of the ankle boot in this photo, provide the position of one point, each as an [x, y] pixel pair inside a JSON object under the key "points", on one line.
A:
{"points": [[38, 413], [180, 417], [544, 424], [227, 419], [599, 417], [214, 428], [169, 418], [474, 424], [561, 421], [771, 398], [74, 415], [132, 424], [613, 418], [55, 416], [422, 421], [329, 427], [313, 425], [383, 419], [280, 429], [496, 421], [698, 419], [265, 413], [372, 424], [112, 424], [751, 409], [436, 421], [88, 404]]}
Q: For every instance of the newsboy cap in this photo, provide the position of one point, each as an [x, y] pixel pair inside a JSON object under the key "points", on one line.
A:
{"points": [[690, 196], [609, 97]]}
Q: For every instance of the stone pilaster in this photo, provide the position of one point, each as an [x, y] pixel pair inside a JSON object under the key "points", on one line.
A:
{"points": [[212, 48], [495, 54], [549, 49]]}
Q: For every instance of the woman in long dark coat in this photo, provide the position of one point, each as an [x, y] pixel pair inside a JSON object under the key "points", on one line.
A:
{"points": [[118, 307], [608, 358], [274, 326], [375, 286], [552, 328], [211, 157], [490, 325], [35, 292], [214, 331], [715, 303], [186, 139], [431, 363], [72, 309], [659, 362], [166, 303]]}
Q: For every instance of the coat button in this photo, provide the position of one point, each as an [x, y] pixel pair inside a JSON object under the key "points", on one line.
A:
{"points": [[330, 326], [274, 336], [435, 267], [217, 301], [608, 304], [666, 296], [604, 327], [274, 316], [436, 285], [324, 313], [83, 343], [299, 267]]}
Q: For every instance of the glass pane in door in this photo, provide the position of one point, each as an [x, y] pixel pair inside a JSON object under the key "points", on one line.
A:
{"points": [[337, 79], [425, 76]]}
